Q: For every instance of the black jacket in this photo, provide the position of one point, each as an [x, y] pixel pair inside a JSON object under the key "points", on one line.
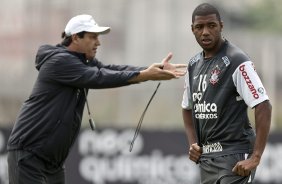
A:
{"points": [[50, 119]]}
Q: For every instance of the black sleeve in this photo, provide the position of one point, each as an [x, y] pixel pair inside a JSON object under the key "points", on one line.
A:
{"points": [[73, 72], [99, 64]]}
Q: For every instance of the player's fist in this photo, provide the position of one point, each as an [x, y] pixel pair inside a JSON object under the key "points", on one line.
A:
{"points": [[195, 152]]}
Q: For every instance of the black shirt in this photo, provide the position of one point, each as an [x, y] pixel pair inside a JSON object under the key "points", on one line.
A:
{"points": [[218, 90]]}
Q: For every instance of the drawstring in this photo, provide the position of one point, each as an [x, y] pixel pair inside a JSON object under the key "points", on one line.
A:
{"points": [[142, 117], [137, 130], [91, 121]]}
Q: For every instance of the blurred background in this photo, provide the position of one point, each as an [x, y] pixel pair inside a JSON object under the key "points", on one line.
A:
{"points": [[142, 32]]}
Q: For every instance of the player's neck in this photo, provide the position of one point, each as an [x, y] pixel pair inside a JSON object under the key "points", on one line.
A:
{"points": [[211, 53]]}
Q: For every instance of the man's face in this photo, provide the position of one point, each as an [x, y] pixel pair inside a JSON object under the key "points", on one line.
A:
{"points": [[88, 44], [207, 30]]}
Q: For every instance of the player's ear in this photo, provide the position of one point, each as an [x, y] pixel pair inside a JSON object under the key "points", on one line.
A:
{"points": [[192, 28], [74, 38], [221, 25]]}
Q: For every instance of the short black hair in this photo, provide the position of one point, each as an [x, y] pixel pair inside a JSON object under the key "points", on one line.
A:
{"points": [[67, 39], [205, 9]]}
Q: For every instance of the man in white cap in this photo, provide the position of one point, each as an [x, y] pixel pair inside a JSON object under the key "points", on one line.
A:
{"points": [[49, 120]]}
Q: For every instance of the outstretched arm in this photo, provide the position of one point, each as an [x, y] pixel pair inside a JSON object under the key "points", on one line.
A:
{"points": [[115, 67]]}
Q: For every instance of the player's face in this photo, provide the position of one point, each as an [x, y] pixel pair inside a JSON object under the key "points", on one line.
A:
{"points": [[88, 44], [207, 30]]}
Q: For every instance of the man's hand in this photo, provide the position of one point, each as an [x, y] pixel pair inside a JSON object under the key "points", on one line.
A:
{"points": [[177, 69], [244, 167], [156, 72], [161, 71], [195, 152], [166, 70]]}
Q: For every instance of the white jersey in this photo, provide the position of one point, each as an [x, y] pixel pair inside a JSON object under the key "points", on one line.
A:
{"points": [[218, 91]]}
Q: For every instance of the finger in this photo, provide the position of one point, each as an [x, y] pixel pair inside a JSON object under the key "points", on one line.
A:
{"points": [[194, 159], [158, 65], [184, 71], [243, 172], [169, 73], [180, 65], [240, 171], [165, 75], [167, 58], [178, 76], [247, 173], [234, 169], [180, 73], [196, 147], [194, 156]]}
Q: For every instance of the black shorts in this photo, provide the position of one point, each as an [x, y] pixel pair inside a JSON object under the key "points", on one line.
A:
{"points": [[218, 170], [24, 167]]}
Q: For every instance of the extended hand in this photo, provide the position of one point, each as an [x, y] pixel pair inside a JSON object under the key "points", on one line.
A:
{"points": [[177, 69], [155, 72], [161, 71]]}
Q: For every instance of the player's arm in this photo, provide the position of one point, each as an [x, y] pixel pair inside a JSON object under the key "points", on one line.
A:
{"points": [[262, 123], [189, 126], [250, 87], [194, 150]]}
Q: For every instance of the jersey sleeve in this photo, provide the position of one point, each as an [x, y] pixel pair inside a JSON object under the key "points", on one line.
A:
{"points": [[186, 100], [249, 85]]}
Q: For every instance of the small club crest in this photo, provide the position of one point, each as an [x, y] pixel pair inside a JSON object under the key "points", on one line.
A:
{"points": [[215, 75]]}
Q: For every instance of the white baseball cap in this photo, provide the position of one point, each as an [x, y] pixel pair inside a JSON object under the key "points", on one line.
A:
{"points": [[86, 23]]}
